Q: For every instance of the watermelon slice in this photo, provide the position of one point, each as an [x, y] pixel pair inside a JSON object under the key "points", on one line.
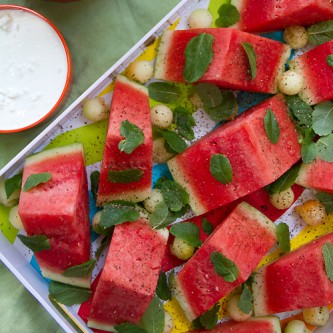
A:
{"points": [[129, 102], [317, 74], [270, 15], [295, 281], [129, 277], [59, 210], [269, 324], [317, 175], [255, 161], [245, 233], [230, 65]]}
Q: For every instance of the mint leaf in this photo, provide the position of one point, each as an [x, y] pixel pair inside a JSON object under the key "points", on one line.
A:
{"points": [[320, 33], [309, 152], [94, 182], [67, 294], [13, 184], [329, 60], [36, 179], [245, 300], [283, 237], [327, 251], [327, 200], [209, 319], [35, 243], [220, 168], [224, 267], [300, 110], [82, 270], [159, 217], [153, 318], [184, 122], [129, 328], [207, 227], [124, 176], [325, 148], [174, 142], [251, 55], [114, 214], [198, 56], [322, 118], [188, 232], [228, 15], [209, 94], [162, 290], [272, 127], [134, 137], [174, 195], [105, 241], [163, 92], [285, 181]]}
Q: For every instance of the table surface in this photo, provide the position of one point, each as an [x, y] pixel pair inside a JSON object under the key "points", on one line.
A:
{"points": [[80, 22]]}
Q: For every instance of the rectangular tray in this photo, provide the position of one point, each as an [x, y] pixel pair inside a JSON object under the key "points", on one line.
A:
{"points": [[16, 256]]}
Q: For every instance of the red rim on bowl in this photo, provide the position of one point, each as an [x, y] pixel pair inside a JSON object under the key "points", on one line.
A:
{"points": [[69, 68]]}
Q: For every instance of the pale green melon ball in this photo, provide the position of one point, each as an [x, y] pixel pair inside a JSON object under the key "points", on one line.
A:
{"points": [[140, 71], [95, 109], [200, 18], [154, 199], [295, 36], [290, 83], [234, 311], [161, 116]]}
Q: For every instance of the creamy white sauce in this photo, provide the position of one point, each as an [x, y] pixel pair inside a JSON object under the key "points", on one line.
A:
{"points": [[33, 68]]}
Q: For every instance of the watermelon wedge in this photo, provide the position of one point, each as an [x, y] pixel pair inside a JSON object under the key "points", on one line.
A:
{"points": [[270, 15], [295, 281], [230, 66], [255, 161], [244, 237], [129, 277], [317, 175], [317, 74], [59, 210], [269, 324], [129, 102]]}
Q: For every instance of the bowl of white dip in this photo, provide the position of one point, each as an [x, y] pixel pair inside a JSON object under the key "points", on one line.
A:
{"points": [[35, 68]]}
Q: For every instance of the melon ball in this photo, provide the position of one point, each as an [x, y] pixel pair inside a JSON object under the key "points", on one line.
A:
{"points": [[290, 83], [154, 199], [140, 71], [296, 326], [168, 322], [96, 221], [282, 200], [181, 249], [200, 18], [317, 316], [234, 311], [312, 212], [160, 154], [95, 109], [15, 219], [295, 36], [161, 116]]}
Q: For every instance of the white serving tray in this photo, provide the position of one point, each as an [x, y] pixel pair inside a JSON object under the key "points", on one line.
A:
{"points": [[15, 256]]}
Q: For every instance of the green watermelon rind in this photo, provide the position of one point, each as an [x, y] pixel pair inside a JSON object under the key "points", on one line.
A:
{"points": [[163, 49], [53, 152], [84, 282], [273, 320]]}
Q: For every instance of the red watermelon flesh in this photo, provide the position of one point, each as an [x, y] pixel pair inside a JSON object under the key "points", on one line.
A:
{"points": [[269, 324], [317, 175], [245, 233], [295, 281], [270, 15], [317, 74], [58, 209], [129, 102], [129, 277], [255, 161], [230, 66]]}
